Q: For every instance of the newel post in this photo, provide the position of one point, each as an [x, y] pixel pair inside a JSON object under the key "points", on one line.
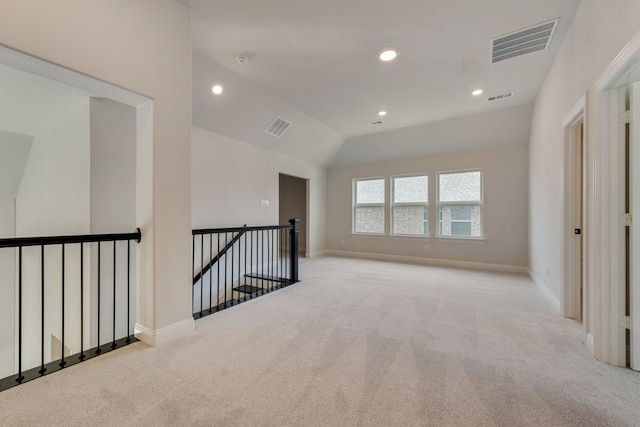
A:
{"points": [[294, 249]]}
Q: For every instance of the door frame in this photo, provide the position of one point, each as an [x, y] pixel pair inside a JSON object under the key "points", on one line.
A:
{"points": [[610, 337], [575, 185]]}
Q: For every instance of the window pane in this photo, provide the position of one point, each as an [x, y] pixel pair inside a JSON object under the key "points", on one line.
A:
{"points": [[411, 220], [370, 191], [460, 221], [460, 187], [369, 219], [411, 189], [461, 213], [461, 228]]}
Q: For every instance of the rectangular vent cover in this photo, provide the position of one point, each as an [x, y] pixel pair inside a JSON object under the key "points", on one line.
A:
{"points": [[522, 42], [277, 127], [501, 96]]}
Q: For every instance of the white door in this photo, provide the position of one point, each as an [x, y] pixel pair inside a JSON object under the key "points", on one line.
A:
{"points": [[634, 258]]}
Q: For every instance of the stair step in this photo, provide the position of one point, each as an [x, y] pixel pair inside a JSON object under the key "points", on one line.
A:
{"points": [[247, 289], [267, 277]]}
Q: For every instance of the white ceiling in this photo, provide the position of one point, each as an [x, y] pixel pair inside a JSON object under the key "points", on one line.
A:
{"points": [[316, 60]]}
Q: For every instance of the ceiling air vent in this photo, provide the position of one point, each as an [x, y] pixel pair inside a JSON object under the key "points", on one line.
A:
{"points": [[277, 127], [529, 40], [501, 96]]}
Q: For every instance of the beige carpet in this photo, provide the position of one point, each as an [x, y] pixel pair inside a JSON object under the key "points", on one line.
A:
{"points": [[356, 343]]}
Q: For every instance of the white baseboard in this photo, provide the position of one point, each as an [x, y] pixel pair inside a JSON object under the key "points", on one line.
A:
{"points": [[429, 261], [589, 343], [316, 254], [555, 302], [156, 337]]}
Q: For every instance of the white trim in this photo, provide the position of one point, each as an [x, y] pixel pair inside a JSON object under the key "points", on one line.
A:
{"points": [[449, 263], [155, 337], [316, 254], [589, 343], [545, 291], [574, 116], [575, 161], [621, 64]]}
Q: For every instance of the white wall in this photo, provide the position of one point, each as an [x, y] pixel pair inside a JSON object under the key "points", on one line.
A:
{"points": [[113, 210], [598, 33], [113, 167], [143, 46], [7, 289], [53, 199], [230, 178], [54, 194], [505, 207]]}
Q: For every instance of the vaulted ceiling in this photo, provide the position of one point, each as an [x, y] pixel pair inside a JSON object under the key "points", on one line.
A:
{"points": [[314, 63]]}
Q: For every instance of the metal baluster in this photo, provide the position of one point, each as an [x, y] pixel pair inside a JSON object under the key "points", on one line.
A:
{"points": [[201, 272], [245, 257], [218, 277], [210, 271], [232, 267], [42, 368], [226, 242], [269, 258], [98, 349], [62, 361], [239, 261], [113, 342], [193, 271], [20, 376], [129, 291], [82, 356], [262, 260]]}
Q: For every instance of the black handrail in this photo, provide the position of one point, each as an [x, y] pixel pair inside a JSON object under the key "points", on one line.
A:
{"points": [[15, 242], [239, 229]]}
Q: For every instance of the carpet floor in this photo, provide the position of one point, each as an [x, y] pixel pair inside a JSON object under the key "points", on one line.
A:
{"points": [[355, 343]]}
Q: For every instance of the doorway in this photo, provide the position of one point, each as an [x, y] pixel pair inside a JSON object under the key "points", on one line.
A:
{"points": [[293, 202], [575, 294]]}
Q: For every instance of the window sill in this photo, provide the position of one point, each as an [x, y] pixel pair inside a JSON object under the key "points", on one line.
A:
{"points": [[479, 240], [365, 235], [409, 237]]}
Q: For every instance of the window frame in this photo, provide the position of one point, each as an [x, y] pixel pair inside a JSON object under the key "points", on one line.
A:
{"points": [[479, 204], [394, 204], [355, 205]]}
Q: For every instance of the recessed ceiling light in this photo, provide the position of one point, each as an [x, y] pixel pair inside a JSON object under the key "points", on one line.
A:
{"points": [[382, 113], [216, 89], [477, 92], [388, 54]]}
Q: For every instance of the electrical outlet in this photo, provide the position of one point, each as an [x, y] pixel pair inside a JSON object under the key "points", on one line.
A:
{"points": [[264, 203], [426, 248]]}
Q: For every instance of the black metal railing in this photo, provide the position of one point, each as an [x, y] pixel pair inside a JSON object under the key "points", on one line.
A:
{"points": [[73, 302], [233, 265]]}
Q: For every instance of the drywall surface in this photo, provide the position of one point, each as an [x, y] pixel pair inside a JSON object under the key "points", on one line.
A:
{"points": [[231, 178], [7, 290], [143, 46], [598, 33], [502, 127], [113, 167], [505, 207], [53, 199]]}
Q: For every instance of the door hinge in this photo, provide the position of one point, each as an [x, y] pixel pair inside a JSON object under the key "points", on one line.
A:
{"points": [[625, 117], [625, 322], [626, 220]]}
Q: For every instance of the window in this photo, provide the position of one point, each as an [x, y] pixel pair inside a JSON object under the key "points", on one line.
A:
{"points": [[460, 204], [410, 209], [368, 206]]}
